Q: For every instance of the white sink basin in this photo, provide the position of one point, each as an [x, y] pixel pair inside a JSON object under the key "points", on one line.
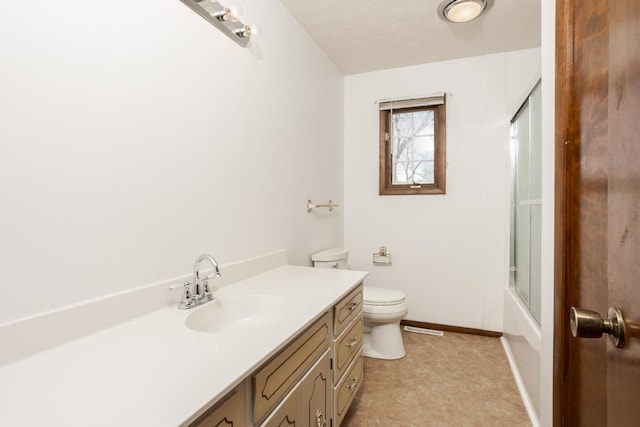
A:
{"points": [[237, 313]]}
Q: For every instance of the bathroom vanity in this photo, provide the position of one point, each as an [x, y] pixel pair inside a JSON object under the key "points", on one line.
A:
{"points": [[311, 381], [135, 359]]}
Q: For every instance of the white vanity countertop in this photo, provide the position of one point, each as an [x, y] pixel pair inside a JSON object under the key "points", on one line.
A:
{"points": [[153, 370]]}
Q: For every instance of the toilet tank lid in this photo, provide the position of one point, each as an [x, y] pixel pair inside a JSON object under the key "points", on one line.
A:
{"points": [[332, 254], [382, 296]]}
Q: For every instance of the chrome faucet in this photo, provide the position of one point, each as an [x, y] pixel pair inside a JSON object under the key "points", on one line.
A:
{"points": [[204, 294], [198, 292]]}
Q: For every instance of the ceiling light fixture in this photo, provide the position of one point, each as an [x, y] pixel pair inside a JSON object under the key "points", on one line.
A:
{"points": [[459, 11]]}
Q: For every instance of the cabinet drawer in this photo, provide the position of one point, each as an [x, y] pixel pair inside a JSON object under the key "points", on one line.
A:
{"points": [[346, 390], [229, 412], [347, 346], [277, 377], [347, 310]]}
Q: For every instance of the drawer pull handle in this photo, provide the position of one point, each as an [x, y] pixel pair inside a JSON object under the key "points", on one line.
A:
{"points": [[354, 383], [321, 420], [353, 342], [354, 305]]}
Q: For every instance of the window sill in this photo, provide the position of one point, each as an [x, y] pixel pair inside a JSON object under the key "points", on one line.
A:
{"points": [[425, 189]]}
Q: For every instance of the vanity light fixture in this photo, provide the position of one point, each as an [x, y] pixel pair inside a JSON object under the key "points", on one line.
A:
{"points": [[223, 15], [459, 11], [225, 19], [232, 13], [247, 31]]}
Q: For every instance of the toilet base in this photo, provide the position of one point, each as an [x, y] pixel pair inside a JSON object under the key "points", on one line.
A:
{"points": [[383, 340]]}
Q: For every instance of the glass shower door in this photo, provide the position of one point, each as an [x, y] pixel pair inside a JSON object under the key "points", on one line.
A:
{"points": [[526, 202]]}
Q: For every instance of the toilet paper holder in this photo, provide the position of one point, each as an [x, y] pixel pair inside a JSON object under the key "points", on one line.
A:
{"points": [[382, 257]]}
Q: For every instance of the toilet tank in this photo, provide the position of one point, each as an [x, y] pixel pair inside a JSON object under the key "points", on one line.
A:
{"points": [[331, 258]]}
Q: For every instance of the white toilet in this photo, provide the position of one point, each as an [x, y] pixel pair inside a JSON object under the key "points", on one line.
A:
{"points": [[382, 310]]}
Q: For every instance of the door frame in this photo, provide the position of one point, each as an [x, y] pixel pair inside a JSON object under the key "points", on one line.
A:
{"points": [[564, 38]]}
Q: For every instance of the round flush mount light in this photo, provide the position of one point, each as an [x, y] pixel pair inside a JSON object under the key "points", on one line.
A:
{"points": [[459, 11]]}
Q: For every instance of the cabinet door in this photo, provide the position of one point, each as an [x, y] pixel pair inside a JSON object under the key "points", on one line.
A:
{"points": [[317, 397], [228, 413], [277, 377], [288, 413]]}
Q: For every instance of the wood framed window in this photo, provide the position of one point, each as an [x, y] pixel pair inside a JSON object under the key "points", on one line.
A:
{"points": [[413, 146]]}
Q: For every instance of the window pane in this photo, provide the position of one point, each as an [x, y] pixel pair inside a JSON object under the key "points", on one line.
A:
{"points": [[400, 171], [413, 147]]}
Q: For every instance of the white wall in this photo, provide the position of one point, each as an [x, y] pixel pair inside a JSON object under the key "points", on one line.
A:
{"points": [[135, 136], [450, 252]]}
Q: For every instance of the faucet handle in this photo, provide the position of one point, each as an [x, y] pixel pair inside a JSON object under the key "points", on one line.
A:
{"points": [[206, 294], [187, 300], [187, 291]]}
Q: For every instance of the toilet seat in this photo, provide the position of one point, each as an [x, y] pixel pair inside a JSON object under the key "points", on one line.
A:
{"points": [[382, 296], [382, 304], [385, 311]]}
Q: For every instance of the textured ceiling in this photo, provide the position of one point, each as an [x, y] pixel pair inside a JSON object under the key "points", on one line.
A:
{"points": [[368, 35]]}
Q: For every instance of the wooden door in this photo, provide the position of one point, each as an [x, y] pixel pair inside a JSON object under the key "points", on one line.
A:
{"points": [[597, 207], [623, 370]]}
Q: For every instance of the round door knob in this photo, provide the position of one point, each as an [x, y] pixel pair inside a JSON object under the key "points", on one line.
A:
{"points": [[589, 324]]}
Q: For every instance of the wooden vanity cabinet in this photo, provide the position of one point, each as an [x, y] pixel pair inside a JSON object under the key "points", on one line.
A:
{"points": [[311, 382]]}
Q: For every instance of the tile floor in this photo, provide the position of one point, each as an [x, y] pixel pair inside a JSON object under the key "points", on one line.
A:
{"points": [[454, 380]]}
